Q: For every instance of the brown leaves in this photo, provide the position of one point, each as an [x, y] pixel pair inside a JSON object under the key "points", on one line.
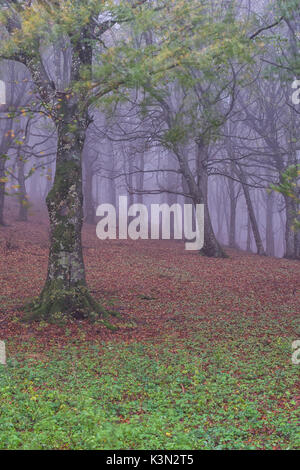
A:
{"points": [[158, 287]]}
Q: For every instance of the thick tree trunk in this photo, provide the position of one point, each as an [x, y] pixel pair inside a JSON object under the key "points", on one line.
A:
{"points": [[64, 204], [65, 293], [211, 247]]}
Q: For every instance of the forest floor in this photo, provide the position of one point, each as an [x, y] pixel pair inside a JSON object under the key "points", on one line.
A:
{"points": [[201, 359]]}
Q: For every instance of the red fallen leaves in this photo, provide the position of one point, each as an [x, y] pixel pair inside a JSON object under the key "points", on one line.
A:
{"points": [[159, 288]]}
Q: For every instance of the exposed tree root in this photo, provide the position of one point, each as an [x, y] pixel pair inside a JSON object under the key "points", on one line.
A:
{"points": [[57, 305], [213, 251]]}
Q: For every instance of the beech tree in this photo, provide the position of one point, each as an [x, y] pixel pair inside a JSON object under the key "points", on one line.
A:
{"points": [[89, 37]]}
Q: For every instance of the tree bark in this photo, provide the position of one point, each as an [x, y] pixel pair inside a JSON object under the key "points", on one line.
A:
{"points": [[198, 190], [140, 179], [172, 198], [2, 188], [290, 236], [254, 225], [270, 242], [211, 247], [65, 293], [255, 229], [88, 193], [248, 242], [4, 147], [232, 221], [22, 194]]}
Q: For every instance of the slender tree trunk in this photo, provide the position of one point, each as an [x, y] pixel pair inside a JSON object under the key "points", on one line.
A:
{"points": [[254, 225], [187, 200], [2, 188], [270, 243], [232, 221], [140, 179], [248, 243], [171, 199], [111, 182], [290, 212], [88, 193], [22, 194], [297, 244], [130, 181]]}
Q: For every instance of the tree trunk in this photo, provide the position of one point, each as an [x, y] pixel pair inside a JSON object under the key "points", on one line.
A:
{"points": [[88, 193], [290, 211], [65, 292], [297, 244], [254, 225], [211, 247], [130, 181], [111, 182], [198, 189], [22, 194], [171, 199], [270, 243], [232, 220], [2, 188], [248, 243], [140, 179], [48, 180], [219, 210]]}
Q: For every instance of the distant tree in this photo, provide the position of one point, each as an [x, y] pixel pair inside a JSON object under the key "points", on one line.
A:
{"points": [[290, 188], [11, 134]]}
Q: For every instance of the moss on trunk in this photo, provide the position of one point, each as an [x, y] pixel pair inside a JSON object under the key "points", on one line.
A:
{"points": [[65, 294], [56, 304]]}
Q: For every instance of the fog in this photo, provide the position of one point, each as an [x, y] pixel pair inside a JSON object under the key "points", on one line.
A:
{"points": [[223, 142]]}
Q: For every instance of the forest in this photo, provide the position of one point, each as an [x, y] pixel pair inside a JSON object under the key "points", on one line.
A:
{"points": [[149, 225]]}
